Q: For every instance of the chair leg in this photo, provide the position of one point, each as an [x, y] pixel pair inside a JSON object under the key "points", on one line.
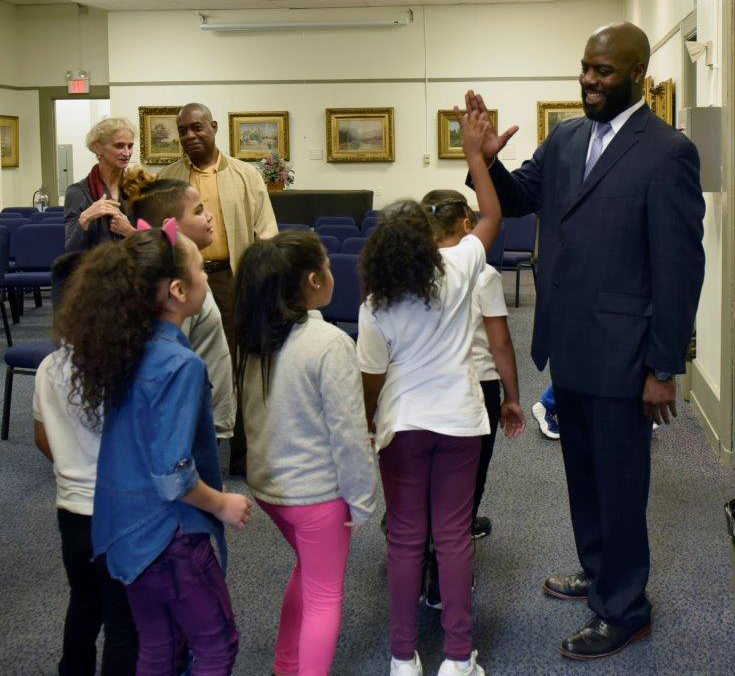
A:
{"points": [[37, 296], [6, 326], [6, 403], [518, 284], [533, 270], [21, 301], [13, 302]]}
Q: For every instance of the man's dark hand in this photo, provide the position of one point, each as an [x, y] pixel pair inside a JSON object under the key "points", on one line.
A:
{"points": [[659, 398]]}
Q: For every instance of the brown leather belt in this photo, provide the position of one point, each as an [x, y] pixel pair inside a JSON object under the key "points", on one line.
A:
{"points": [[216, 266]]}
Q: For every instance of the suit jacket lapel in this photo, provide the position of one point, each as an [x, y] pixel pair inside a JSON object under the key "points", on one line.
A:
{"points": [[622, 142]]}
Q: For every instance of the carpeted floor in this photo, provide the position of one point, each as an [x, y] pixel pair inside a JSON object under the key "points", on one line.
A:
{"points": [[518, 629]]}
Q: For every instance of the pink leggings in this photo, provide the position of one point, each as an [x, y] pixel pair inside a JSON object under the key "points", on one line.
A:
{"points": [[311, 613]]}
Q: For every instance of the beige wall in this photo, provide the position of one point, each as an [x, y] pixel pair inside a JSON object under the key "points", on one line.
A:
{"points": [[144, 70]]}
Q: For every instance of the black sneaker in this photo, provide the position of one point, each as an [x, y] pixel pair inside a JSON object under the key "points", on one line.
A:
{"points": [[481, 527]]}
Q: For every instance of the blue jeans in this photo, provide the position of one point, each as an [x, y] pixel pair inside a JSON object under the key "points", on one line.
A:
{"points": [[548, 400]]}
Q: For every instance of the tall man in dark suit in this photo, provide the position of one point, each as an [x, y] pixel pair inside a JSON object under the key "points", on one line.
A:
{"points": [[620, 271]]}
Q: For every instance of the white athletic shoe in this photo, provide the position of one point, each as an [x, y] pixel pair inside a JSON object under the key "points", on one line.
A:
{"points": [[546, 421], [406, 667], [453, 668]]}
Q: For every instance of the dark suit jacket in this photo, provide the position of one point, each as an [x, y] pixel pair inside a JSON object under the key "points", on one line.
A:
{"points": [[621, 262]]}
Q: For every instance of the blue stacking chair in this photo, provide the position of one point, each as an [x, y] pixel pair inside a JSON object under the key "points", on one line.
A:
{"points": [[4, 250], [292, 226], [353, 245], [334, 220], [520, 242], [368, 222], [370, 231], [25, 211], [44, 216], [331, 244], [13, 225], [54, 210], [495, 255], [10, 214], [370, 213], [340, 231], [345, 305]]}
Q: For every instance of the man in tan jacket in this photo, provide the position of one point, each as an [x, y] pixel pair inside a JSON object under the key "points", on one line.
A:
{"points": [[236, 196]]}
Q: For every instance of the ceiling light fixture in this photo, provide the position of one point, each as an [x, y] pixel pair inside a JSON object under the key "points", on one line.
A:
{"points": [[302, 25]]}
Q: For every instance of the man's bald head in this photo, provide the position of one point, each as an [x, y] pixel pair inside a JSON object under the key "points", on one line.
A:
{"points": [[196, 133], [613, 69]]}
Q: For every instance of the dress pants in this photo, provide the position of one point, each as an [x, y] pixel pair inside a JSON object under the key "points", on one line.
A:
{"points": [[222, 284], [606, 443]]}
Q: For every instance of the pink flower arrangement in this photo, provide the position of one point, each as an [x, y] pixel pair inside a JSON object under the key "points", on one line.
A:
{"points": [[274, 169]]}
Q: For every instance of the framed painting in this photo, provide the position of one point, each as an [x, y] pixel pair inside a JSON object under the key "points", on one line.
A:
{"points": [[648, 91], [663, 101], [551, 113], [159, 136], [450, 136], [360, 135], [9, 141], [254, 136]]}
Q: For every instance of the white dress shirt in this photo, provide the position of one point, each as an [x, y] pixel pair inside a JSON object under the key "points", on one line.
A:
{"points": [[616, 125]]}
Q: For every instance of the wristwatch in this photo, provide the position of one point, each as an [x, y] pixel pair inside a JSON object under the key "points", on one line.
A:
{"points": [[663, 375]]}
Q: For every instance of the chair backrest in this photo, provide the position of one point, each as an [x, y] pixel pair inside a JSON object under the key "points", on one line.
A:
{"points": [[10, 214], [370, 213], [44, 216], [368, 222], [292, 226], [334, 220], [4, 251], [26, 211], [331, 244], [345, 304], [341, 232], [38, 245], [353, 245], [520, 233], [495, 255], [54, 209], [13, 225], [370, 231]]}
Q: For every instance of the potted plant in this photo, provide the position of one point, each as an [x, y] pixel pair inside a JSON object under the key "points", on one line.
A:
{"points": [[275, 172]]}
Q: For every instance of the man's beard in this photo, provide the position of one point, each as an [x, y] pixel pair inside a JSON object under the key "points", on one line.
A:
{"points": [[615, 102]]}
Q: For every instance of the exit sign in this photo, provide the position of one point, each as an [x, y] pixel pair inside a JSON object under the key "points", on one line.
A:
{"points": [[78, 85]]}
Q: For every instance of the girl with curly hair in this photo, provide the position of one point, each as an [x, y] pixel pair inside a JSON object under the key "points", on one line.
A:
{"points": [[155, 200], [159, 495], [309, 461], [426, 407]]}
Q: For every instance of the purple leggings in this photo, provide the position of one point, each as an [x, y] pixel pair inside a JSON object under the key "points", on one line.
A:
{"points": [[184, 592], [424, 471]]}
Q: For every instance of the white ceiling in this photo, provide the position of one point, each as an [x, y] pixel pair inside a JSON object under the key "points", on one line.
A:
{"points": [[208, 5]]}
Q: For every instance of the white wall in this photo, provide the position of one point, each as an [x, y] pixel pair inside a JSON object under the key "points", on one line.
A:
{"points": [[467, 42], [74, 118]]}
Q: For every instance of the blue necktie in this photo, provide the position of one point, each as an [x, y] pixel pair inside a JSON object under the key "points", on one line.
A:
{"points": [[601, 129]]}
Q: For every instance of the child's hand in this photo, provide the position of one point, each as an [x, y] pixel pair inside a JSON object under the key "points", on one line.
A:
{"points": [[236, 510], [351, 524], [473, 125], [512, 419]]}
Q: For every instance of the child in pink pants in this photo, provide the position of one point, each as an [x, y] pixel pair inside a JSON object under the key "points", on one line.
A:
{"points": [[310, 465]]}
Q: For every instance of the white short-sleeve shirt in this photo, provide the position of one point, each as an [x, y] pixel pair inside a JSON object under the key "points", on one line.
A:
{"points": [[425, 352], [75, 448], [488, 300]]}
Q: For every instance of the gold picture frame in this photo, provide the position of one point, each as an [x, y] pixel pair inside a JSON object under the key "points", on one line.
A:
{"points": [[663, 101], [551, 113], [9, 141], [255, 135], [648, 91], [159, 136], [450, 137], [360, 135]]}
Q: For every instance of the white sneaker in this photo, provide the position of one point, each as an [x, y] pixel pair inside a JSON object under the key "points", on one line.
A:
{"points": [[406, 667], [546, 421], [453, 668]]}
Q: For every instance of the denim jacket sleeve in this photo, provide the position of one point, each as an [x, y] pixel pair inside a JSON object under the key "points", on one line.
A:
{"points": [[174, 415]]}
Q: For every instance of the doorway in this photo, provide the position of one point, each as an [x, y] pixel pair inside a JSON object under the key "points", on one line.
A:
{"points": [[74, 118]]}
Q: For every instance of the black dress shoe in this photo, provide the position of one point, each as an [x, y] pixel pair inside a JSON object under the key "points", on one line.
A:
{"points": [[569, 587], [600, 639]]}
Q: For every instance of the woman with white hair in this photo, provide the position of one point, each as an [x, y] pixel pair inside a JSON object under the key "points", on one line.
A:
{"points": [[94, 208]]}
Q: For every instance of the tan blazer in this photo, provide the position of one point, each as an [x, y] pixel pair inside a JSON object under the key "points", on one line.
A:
{"points": [[246, 206]]}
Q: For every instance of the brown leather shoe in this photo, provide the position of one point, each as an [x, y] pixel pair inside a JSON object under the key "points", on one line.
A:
{"points": [[574, 587], [600, 639]]}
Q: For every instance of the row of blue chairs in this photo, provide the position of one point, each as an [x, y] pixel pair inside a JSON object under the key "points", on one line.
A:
{"points": [[351, 245]]}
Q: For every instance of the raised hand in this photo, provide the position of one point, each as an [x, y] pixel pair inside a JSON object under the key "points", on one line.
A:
{"points": [[473, 126], [492, 143]]}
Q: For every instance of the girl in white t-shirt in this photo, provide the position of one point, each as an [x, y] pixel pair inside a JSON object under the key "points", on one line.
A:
{"points": [[425, 404]]}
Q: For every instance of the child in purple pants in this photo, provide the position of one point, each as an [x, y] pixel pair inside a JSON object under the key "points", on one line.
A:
{"points": [[424, 400]]}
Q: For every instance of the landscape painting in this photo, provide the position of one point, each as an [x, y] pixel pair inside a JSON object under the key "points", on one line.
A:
{"points": [[159, 136], [9, 141], [551, 113], [255, 135], [360, 135], [450, 135]]}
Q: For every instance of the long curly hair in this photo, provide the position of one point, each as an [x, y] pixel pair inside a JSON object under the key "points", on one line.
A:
{"points": [[269, 296], [108, 311], [400, 259], [151, 198], [449, 208]]}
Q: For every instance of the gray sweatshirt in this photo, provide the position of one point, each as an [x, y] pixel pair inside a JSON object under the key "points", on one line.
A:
{"points": [[308, 441]]}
